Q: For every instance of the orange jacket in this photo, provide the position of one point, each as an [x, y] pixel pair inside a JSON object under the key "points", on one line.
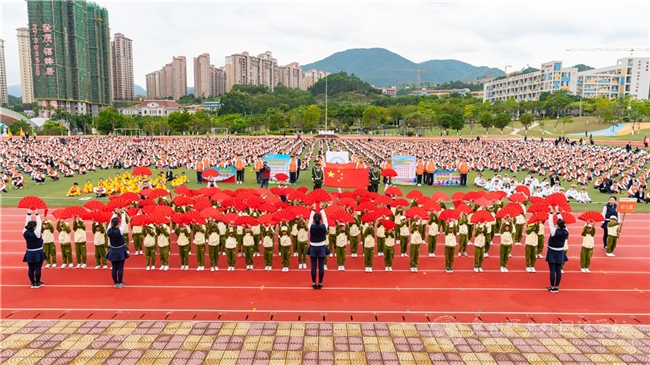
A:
{"points": [[239, 164], [431, 167], [419, 169], [293, 165], [199, 166], [463, 167]]}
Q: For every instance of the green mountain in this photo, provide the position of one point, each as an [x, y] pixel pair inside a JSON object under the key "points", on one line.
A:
{"points": [[374, 66]]}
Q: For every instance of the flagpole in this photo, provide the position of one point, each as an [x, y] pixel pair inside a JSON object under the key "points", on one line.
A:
{"points": [[325, 99]]}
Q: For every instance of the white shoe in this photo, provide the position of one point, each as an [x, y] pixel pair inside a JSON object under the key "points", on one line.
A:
{"points": [[505, 270], [136, 253], [106, 267], [497, 234], [501, 269], [582, 270], [476, 269], [480, 269], [295, 254], [486, 255], [141, 252], [539, 256], [198, 268], [469, 243], [162, 268], [53, 265], [148, 268], [415, 269], [390, 268], [532, 269], [63, 266], [460, 254], [517, 243], [331, 255], [78, 266], [433, 255], [430, 255], [465, 254], [562, 271], [212, 268], [509, 255], [239, 254], [97, 267], [411, 269], [366, 269], [527, 269], [223, 254], [370, 269], [325, 267], [47, 266], [611, 255], [166, 268], [587, 271], [83, 266], [216, 268]]}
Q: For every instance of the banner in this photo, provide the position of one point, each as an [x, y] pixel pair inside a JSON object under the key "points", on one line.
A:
{"points": [[226, 174], [345, 176], [405, 168], [278, 164], [336, 157], [446, 177]]}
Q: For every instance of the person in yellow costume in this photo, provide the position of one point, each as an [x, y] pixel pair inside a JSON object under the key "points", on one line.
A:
{"points": [[184, 179], [75, 190], [110, 189], [176, 182], [88, 187]]}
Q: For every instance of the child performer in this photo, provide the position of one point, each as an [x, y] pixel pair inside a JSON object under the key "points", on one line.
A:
{"points": [[540, 240], [417, 240], [520, 221], [479, 246], [368, 247], [136, 233], [183, 239], [64, 240], [434, 230], [613, 230], [341, 245], [588, 233], [302, 242], [249, 247], [463, 231], [162, 239], [353, 233], [80, 242], [212, 231], [450, 230], [404, 233], [506, 243], [47, 232], [149, 243], [532, 241], [267, 232], [231, 247], [381, 239], [285, 248], [199, 244], [389, 249], [99, 240]]}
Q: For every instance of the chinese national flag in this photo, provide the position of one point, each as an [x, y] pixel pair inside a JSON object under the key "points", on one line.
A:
{"points": [[345, 176]]}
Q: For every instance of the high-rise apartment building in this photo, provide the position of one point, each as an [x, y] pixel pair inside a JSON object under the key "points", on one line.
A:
{"points": [[172, 80], [153, 85], [4, 97], [179, 77], [312, 76], [122, 57], [70, 51], [291, 75], [202, 76], [218, 80], [243, 69], [25, 63], [166, 81]]}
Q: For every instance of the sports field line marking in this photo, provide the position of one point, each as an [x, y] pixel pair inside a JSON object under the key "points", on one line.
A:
{"points": [[645, 314], [241, 287], [433, 271]]}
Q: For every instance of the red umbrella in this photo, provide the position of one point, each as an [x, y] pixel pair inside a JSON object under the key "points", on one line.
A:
{"points": [[141, 171], [388, 173]]}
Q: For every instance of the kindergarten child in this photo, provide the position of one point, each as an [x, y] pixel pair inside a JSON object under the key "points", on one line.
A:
{"points": [[417, 240], [588, 233], [353, 234], [80, 242], [64, 241], [249, 247], [479, 246], [285, 248], [341, 243], [183, 240], [149, 243], [531, 246], [450, 230], [368, 247], [162, 239], [389, 249], [302, 239], [99, 240], [47, 232], [433, 235], [75, 190], [213, 244], [613, 230], [199, 244], [231, 247], [506, 244], [463, 231], [267, 246]]}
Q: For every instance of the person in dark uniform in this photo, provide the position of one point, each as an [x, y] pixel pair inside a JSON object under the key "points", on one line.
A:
{"points": [[34, 256], [555, 256], [374, 179], [317, 175], [117, 252], [317, 250], [609, 210]]}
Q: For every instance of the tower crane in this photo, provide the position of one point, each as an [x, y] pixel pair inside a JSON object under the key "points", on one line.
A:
{"points": [[505, 68], [631, 50], [410, 69]]}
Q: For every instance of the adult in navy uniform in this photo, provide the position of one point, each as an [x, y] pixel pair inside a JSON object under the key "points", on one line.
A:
{"points": [[117, 252], [34, 256], [609, 210], [555, 256], [317, 250]]}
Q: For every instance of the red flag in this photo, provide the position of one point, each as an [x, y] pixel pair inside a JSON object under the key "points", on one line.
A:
{"points": [[345, 176]]}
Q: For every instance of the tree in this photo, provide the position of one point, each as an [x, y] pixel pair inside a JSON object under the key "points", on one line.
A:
{"points": [[565, 120], [526, 120], [17, 125], [604, 110], [637, 112], [234, 122], [416, 119], [486, 120], [470, 113], [234, 102], [445, 121], [179, 121], [457, 121], [501, 121], [512, 107], [275, 119], [371, 117], [311, 118], [108, 119]]}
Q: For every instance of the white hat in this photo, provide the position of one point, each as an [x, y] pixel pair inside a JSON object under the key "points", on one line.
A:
{"points": [[284, 228], [613, 217]]}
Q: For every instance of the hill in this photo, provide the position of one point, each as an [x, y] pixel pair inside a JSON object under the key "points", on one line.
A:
{"points": [[374, 66]]}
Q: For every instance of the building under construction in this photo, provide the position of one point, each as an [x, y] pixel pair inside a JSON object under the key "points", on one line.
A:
{"points": [[70, 49]]}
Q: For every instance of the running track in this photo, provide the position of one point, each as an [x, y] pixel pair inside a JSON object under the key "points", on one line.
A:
{"points": [[617, 290]]}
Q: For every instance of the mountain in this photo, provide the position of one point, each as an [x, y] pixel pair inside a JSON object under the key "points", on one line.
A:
{"points": [[14, 90], [138, 90], [190, 90], [374, 66]]}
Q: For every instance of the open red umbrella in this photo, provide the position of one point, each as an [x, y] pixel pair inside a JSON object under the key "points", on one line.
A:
{"points": [[141, 171]]}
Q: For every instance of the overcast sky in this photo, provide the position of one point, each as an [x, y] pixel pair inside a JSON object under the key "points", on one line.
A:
{"points": [[481, 33]]}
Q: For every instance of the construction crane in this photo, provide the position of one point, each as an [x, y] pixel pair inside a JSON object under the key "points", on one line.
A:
{"points": [[412, 70], [631, 50], [505, 68]]}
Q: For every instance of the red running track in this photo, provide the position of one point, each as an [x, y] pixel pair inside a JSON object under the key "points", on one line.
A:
{"points": [[617, 290]]}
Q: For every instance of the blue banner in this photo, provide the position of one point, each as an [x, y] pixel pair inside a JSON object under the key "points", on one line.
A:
{"points": [[446, 177], [226, 174], [405, 168], [279, 164]]}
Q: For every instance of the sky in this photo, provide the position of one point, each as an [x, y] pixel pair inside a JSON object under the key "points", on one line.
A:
{"points": [[486, 33]]}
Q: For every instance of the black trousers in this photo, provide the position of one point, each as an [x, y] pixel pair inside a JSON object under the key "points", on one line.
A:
{"points": [[199, 177], [320, 263], [292, 177], [429, 178], [264, 183], [240, 175], [318, 184], [555, 273], [463, 179], [117, 271], [605, 237], [34, 271], [418, 179]]}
